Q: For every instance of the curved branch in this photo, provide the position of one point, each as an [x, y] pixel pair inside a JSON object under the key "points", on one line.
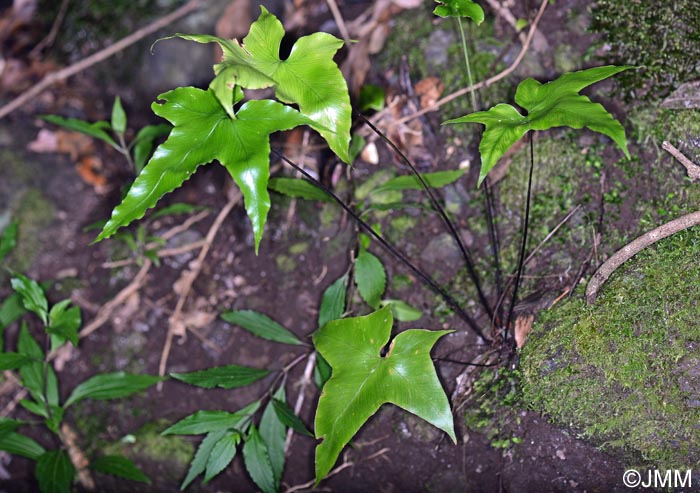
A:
{"points": [[630, 250]]}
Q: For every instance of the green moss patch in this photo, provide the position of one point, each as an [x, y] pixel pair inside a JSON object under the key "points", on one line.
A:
{"points": [[624, 372]]}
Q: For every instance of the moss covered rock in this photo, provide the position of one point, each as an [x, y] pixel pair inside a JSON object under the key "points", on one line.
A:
{"points": [[624, 372]]}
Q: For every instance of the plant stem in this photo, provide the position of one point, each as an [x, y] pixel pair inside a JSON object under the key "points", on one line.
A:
{"points": [[451, 302], [495, 245], [521, 259], [443, 215], [470, 80]]}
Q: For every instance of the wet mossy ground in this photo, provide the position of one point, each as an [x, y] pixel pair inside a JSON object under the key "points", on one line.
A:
{"points": [[623, 372]]}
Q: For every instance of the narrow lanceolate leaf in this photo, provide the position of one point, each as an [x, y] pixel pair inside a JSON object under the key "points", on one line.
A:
{"points": [[202, 456], [54, 472], [554, 104], [119, 466], [8, 426], [226, 377], [437, 179], [211, 421], [288, 418], [118, 117], [203, 132], [370, 278], [402, 311], [274, 434], [298, 188], [64, 322], [308, 77], [260, 325], [97, 129], [257, 462], [18, 444], [12, 361], [111, 386], [333, 301], [143, 143], [360, 384], [8, 240], [222, 454], [33, 297], [460, 8]]}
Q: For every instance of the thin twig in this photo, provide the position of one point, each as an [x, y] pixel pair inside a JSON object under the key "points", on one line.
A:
{"points": [[485, 83], [630, 250], [51, 37], [189, 278], [338, 18], [100, 56], [176, 230], [165, 252], [692, 168], [507, 16]]}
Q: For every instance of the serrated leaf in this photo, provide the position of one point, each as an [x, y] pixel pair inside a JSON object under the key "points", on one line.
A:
{"points": [[260, 325], [96, 129], [211, 421], [64, 322], [333, 301], [360, 384], [288, 418], [257, 461], [222, 454], [298, 188], [119, 466], [143, 143], [203, 132], [54, 472], [436, 179], [118, 117], [226, 377], [274, 434], [460, 8], [33, 297], [8, 240], [308, 77], [370, 278], [201, 457], [111, 386], [554, 104], [402, 311], [18, 444], [12, 361]]}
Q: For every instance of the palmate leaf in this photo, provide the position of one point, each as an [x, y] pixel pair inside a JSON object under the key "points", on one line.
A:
{"points": [[460, 8], [554, 104], [308, 77], [363, 380], [202, 132]]}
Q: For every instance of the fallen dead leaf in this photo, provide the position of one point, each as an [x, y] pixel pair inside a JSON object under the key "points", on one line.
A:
{"points": [[523, 326], [429, 90]]}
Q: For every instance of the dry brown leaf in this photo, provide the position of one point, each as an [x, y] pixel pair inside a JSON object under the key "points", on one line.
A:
{"points": [[377, 37], [523, 326], [408, 4], [89, 168], [429, 90]]}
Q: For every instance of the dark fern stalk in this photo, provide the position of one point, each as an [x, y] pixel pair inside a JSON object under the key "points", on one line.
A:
{"points": [[426, 279]]}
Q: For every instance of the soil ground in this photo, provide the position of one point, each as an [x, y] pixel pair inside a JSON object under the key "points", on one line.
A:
{"points": [[302, 253]]}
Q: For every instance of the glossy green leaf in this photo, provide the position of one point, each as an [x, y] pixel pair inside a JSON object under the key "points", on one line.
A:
{"points": [[260, 325], [298, 188], [211, 421], [222, 454], [8, 240], [64, 322], [12, 361], [460, 8], [97, 129], [288, 418], [118, 117], [54, 472], [363, 380], [226, 377], [201, 457], [370, 278], [203, 132], [436, 179], [144, 141], [111, 386], [119, 466], [274, 434], [554, 104], [308, 78], [333, 301], [33, 297], [402, 311], [18, 444], [257, 461]]}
